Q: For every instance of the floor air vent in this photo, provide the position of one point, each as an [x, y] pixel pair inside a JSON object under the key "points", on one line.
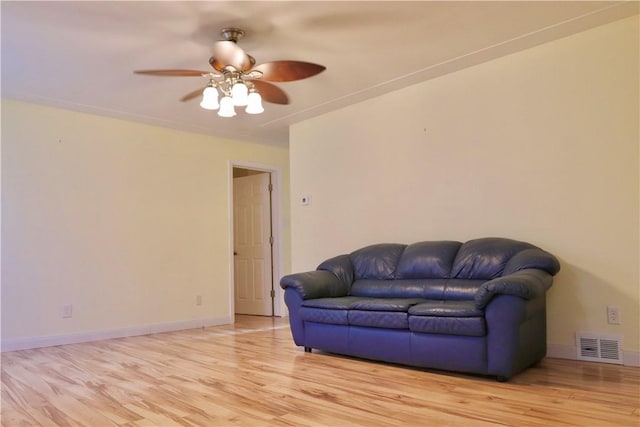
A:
{"points": [[599, 348]]}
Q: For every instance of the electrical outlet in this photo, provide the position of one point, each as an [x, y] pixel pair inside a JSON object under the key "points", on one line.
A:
{"points": [[613, 315], [67, 310], [198, 299]]}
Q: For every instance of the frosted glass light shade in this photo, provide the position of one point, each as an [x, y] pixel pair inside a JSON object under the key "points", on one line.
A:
{"points": [[239, 94], [210, 98], [226, 107], [254, 103]]}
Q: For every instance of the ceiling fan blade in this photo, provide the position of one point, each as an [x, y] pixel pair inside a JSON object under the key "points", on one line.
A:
{"points": [[173, 73], [271, 93], [286, 71], [196, 93], [228, 53]]}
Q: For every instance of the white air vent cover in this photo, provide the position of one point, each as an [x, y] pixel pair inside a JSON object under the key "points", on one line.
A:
{"points": [[599, 347]]}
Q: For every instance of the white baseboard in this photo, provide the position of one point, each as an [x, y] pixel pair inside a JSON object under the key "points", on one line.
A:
{"points": [[631, 358], [106, 334], [558, 351]]}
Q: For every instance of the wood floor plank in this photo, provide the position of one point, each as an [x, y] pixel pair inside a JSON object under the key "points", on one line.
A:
{"points": [[251, 374]]}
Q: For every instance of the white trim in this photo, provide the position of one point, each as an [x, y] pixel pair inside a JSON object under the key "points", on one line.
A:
{"points": [[558, 351], [231, 250], [631, 358], [570, 352], [106, 334], [277, 227]]}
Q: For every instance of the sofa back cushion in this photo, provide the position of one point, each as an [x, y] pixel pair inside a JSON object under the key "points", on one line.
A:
{"points": [[376, 261], [427, 260], [476, 260], [485, 258], [341, 266]]}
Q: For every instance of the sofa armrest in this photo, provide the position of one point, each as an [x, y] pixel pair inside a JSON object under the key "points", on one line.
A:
{"points": [[526, 284], [315, 284]]}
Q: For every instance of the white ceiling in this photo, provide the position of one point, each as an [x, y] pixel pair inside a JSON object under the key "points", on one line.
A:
{"points": [[80, 55]]}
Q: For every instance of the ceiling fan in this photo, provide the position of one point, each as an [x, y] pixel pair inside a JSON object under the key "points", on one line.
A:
{"points": [[239, 80]]}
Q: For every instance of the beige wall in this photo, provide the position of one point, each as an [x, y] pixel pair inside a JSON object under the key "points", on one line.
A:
{"points": [[126, 222], [540, 146]]}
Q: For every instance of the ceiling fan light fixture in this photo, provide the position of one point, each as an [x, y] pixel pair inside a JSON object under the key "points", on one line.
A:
{"points": [[254, 103], [239, 93], [210, 98], [226, 107]]}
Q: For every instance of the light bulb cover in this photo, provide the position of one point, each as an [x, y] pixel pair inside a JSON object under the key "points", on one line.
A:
{"points": [[254, 103], [210, 98], [226, 107], [239, 93]]}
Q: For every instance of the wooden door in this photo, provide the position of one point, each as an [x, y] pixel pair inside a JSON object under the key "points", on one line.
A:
{"points": [[253, 282]]}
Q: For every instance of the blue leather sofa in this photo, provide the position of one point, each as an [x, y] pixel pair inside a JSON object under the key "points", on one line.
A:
{"points": [[475, 307]]}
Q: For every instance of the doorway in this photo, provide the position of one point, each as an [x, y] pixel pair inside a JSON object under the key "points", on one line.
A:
{"points": [[253, 242]]}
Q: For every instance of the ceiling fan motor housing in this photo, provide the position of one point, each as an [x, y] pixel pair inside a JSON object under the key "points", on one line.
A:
{"points": [[232, 34]]}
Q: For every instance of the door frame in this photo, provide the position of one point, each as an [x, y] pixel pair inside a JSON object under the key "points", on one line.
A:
{"points": [[276, 227]]}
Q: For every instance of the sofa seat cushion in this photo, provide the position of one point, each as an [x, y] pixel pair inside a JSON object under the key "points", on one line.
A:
{"points": [[324, 315], [388, 313], [340, 303], [359, 311], [327, 310], [447, 317], [416, 314], [447, 309], [385, 304], [428, 289], [467, 326], [379, 319]]}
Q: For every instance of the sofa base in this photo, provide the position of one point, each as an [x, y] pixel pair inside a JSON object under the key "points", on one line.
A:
{"points": [[443, 352]]}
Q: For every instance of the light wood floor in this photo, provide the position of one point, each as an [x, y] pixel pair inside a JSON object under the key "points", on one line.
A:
{"points": [[251, 374]]}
